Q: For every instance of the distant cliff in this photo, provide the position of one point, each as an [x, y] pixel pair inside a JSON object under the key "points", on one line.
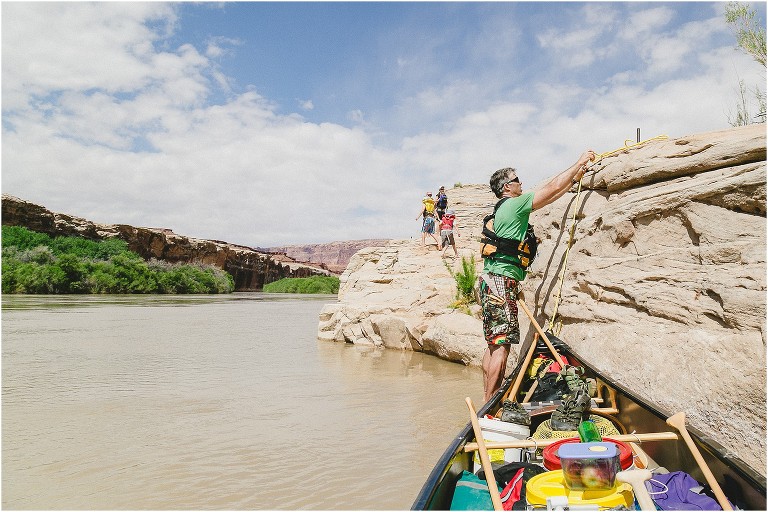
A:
{"points": [[333, 255], [250, 268]]}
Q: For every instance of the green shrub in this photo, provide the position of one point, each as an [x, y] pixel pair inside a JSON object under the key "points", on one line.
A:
{"points": [[465, 283], [83, 248], [24, 239], [36, 263], [313, 284]]}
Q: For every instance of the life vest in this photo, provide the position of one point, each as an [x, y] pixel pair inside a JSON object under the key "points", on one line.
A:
{"points": [[523, 250], [429, 205]]}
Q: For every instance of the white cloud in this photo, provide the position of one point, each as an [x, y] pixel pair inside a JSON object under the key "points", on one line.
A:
{"points": [[583, 43], [670, 51], [356, 116], [645, 22], [85, 46], [121, 128]]}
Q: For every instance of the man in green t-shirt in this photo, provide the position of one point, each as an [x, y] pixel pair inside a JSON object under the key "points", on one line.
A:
{"points": [[502, 274]]}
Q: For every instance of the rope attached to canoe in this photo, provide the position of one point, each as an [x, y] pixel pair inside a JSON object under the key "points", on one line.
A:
{"points": [[576, 205]]}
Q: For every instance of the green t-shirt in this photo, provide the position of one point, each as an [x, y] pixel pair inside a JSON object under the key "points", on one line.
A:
{"points": [[511, 221]]}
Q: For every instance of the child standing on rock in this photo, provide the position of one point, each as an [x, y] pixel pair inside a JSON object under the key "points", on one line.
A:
{"points": [[447, 227]]}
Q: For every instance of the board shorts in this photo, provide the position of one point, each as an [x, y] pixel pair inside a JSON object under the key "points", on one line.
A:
{"points": [[500, 325], [446, 237], [429, 225]]}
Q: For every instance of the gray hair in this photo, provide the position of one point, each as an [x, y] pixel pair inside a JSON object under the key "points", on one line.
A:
{"points": [[499, 178]]}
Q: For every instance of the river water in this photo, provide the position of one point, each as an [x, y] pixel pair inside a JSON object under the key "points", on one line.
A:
{"points": [[213, 402]]}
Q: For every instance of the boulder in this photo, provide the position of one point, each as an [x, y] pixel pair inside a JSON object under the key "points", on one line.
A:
{"points": [[664, 286]]}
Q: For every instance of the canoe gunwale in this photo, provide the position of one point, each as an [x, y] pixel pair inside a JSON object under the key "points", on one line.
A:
{"points": [[426, 497]]}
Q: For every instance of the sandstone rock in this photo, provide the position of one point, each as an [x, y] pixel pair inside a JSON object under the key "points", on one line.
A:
{"points": [[664, 289], [250, 269], [454, 337]]}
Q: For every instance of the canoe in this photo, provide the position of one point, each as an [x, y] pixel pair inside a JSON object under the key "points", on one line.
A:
{"points": [[744, 487]]}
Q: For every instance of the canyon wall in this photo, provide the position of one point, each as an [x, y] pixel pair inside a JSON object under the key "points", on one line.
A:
{"points": [[664, 288], [250, 269], [333, 256]]}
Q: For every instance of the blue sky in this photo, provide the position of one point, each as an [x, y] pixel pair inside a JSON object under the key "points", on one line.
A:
{"points": [[275, 123]]}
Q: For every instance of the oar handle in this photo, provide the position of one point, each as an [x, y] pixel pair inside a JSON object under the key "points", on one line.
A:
{"points": [[529, 394], [543, 443], [636, 478], [512, 392], [485, 461], [540, 331], [678, 421]]}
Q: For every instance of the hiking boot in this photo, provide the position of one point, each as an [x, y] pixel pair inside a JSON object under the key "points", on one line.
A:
{"points": [[571, 412], [513, 412], [574, 379], [572, 376], [592, 387]]}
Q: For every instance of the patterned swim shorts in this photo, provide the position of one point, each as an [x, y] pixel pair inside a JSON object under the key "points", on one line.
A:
{"points": [[429, 225], [500, 325]]}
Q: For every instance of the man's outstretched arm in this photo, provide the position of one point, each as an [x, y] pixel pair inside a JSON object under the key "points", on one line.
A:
{"points": [[560, 184]]}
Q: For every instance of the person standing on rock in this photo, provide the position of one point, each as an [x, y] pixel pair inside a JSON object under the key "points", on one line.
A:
{"points": [[441, 204], [502, 273], [428, 224], [448, 227]]}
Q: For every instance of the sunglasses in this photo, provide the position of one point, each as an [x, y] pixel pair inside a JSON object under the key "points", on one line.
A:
{"points": [[513, 180]]}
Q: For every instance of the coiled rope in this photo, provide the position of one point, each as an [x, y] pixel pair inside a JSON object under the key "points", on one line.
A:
{"points": [[576, 204]]}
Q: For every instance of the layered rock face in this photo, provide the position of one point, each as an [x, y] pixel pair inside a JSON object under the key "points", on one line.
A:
{"points": [[250, 269], [664, 286], [333, 256]]}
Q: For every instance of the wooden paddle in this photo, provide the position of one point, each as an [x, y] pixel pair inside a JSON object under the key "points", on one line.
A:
{"points": [[541, 443], [485, 461], [641, 458], [529, 394], [636, 478], [521, 374], [540, 331], [678, 421]]}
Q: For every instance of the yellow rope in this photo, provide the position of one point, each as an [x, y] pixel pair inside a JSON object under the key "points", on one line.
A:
{"points": [[561, 278], [576, 205], [627, 146]]}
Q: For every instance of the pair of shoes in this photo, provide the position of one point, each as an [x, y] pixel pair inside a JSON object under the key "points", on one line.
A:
{"points": [[572, 411], [513, 412], [574, 379]]}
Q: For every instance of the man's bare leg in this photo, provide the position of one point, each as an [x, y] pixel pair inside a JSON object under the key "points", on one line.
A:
{"points": [[494, 366]]}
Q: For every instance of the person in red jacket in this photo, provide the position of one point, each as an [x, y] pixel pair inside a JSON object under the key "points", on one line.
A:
{"points": [[448, 227]]}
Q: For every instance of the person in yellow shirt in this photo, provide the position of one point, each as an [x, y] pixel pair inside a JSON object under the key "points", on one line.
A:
{"points": [[428, 224]]}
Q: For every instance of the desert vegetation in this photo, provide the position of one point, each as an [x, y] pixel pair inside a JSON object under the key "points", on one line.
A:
{"points": [[36, 263], [313, 284]]}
